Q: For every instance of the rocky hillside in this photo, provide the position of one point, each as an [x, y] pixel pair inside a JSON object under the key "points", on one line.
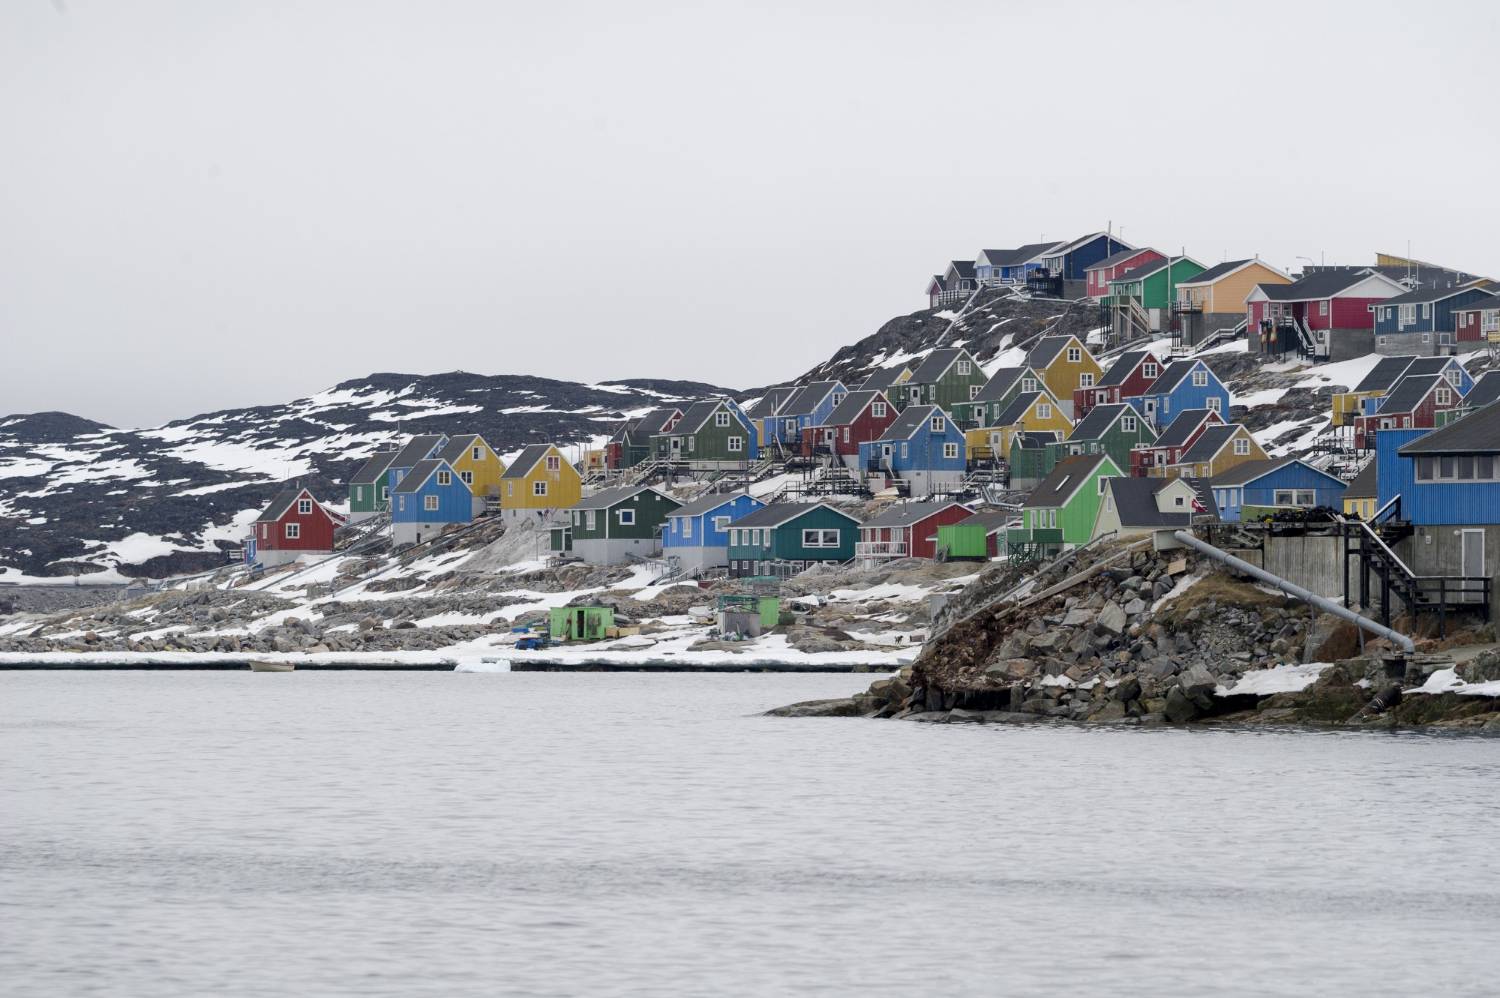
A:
{"points": [[79, 496]]}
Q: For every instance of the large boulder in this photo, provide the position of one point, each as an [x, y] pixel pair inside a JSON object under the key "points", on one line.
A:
{"points": [[1111, 619], [1181, 708], [1330, 638]]}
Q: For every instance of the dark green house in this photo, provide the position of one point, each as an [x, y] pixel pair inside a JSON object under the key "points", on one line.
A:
{"points": [[1003, 387], [712, 435], [786, 538], [1031, 458], [946, 378], [1108, 429], [611, 526], [369, 492], [631, 442]]}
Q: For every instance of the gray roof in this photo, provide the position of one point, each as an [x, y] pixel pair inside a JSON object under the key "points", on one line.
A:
{"points": [[418, 475], [784, 512], [1485, 391], [1386, 372], [606, 498], [1068, 247], [653, 421], [910, 421], [1319, 284], [1217, 271], [1062, 481], [1046, 348], [526, 460], [1115, 259], [1408, 393], [279, 504], [697, 414], [1124, 365], [706, 504], [771, 402], [965, 268], [1017, 408], [1035, 439], [883, 378], [1430, 365], [991, 520], [1099, 419], [1171, 376], [1001, 382], [1135, 502], [1182, 427], [1210, 443], [1424, 295], [1249, 471], [417, 449], [1147, 269], [807, 398], [1476, 433], [854, 403], [1363, 486], [907, 513], [935, 363], [374, 468], [1019, 255], [457, 447]]}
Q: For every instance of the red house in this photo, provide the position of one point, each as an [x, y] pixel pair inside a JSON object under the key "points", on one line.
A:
{"points": [[1131, 374], [1174, 441], [293, 525], [861, 417], [1098, 276], [1332, 304], [1413, 404], [907, 530], [1480, 321]]}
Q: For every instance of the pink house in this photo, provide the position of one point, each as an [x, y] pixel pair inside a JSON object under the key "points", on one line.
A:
{"points": [[1100, 274], [1330, 308]]}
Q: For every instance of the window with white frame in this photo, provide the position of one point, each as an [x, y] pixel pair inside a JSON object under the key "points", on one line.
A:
{"points": [[476, 453], [1149, 370], [721, 418], [904, 449], [554, 463], [937, 424], [1128, 424], [1489, 322], [877, 409], [538, 488], [1044, 410], [950, 450], [974, 391], [385, 493], [1103, 482], [838, 397], [1028, 384], [1427, 310], [1454, 376], [293, 531], [1444, 396], [1323, 307], [1458, 468], [1200, 378], [1408, 316], [1241, 446], [1426, 338], [1075, 355], [626, 517], [304, 506], [467, 477], [590, 519], [720, 523], [1213, 403], [444, 478], [1086, 380], [430, 503], [1051, 518], [736, 444]]}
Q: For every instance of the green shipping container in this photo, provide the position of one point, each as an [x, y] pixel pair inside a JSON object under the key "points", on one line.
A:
{"points": [[580, 623]]}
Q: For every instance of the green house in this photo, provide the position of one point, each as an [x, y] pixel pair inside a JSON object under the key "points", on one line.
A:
{"points": [[631, 442], [946, 378], [712, 435], [1002, 388], [580, 623], [615, 525], [1031, 457], [560, 539], [1108, 429], [1154, 285], [369, 491], [977, 538], [1060, 511], [785, 538]]}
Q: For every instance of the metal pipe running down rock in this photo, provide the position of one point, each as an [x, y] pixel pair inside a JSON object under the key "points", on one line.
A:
{"points": [[1297, 592]]}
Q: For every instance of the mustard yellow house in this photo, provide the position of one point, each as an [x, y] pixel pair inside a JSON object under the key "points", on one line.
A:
{"points": [[1217, 449], [1065, 364], [1359, 497], [539, 485], [478, 467], [1027, 412]]}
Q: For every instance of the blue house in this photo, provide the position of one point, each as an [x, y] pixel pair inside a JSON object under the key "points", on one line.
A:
{"points": [[1422, 320], [1070, 260], [808, 406], [430, 497], [1186, 384], [1264, 486], [1009, 266], [923, 450], [418, 448], [697, 534]]}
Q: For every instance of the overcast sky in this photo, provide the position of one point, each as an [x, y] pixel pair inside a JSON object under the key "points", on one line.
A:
{"points": [[214, 204]]}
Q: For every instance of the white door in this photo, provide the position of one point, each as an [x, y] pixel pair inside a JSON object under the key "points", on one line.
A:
{"points": [[1472, 561]]}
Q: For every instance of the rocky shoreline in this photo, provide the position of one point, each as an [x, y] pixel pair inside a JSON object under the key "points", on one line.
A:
{"points": [[1129, 636]]}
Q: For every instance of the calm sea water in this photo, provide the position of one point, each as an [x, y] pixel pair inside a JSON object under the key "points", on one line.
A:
{"points": [[440, 834]]}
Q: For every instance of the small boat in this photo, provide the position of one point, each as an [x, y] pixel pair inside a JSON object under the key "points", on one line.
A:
{"points": [[272, 667]]}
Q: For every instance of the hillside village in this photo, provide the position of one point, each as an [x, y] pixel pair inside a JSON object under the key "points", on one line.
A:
{"points": [[1052, 399]]}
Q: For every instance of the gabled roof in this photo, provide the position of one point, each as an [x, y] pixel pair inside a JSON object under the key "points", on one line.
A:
{"points": [[526, 460], [991, 520], [771, 402], [937, 284], [709, 503], [1015, 257], [374, 468], [964, 268], [1386, 372], [458, 446], [914, 418], [656, 420], [808, 398], [1210, 443], [884, 377], [1431, 365], [1065, 479], [1485, 391], [1124, 365], [936, 364], [1147, 269], [1217, 271], [1002, 381], [1135, 502], [1099, 419], [416, 449], [1425, 295], [854, 403], [1476, 433], [281, 502], [697, 416], [608, 498], [1179, 429], [1018, 407], [1249, 471], [784, 512], [1408, 393], [1035, 439], [1329, 283], [1115, 259], [1364, 484], [1062, 249], [1172, 375], [1046, 350], [908, 513], [419, 473], [1486, 305]]}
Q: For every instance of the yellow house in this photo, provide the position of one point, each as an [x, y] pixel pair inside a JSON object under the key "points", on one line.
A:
{"points": [[539, 484], [1359, 497], [1066, 365], [1027, 412], [478, 467], [1223, 288], [1217, 449]]}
